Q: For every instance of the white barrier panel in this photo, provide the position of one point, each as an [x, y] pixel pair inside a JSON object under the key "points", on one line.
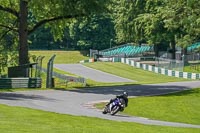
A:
{"points": [[150, 68], [156, 69], [184, 74], [170, 72], [144, 66], [137, 64], [162, 71], [127, 61], [106, 59], [176, 73], [122, 60], [82, 61], [132, 63], [193, 76]]}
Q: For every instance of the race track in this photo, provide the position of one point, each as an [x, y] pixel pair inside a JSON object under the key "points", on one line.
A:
{"points": [[79, 102], [89, 73]]}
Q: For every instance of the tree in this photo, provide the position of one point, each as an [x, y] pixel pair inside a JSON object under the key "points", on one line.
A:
{"points": [[149, 26], [124, 12], [83, 34], [25, 16], [182, 18], [157, 21], [93, 33], [177, 22]]}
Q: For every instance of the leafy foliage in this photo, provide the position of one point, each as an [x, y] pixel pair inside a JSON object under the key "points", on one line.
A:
{"points": [[82, 34], [174, 22], [93, 33], [124, 13], [84, 24], [21, 18]]}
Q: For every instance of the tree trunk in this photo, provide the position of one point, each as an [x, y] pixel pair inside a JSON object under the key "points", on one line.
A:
{"points": [[23, 33], [184, 55], [184, 51], [156, 50], [173, 45]]}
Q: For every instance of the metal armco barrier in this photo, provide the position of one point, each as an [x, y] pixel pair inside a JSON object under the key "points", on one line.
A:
{"points": [[67, 78]]}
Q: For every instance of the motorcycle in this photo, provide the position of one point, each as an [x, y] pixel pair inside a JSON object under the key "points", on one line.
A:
{"points": [[115, 106]]}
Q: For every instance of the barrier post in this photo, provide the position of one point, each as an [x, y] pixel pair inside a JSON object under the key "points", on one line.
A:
{"points": [[49, 79]]}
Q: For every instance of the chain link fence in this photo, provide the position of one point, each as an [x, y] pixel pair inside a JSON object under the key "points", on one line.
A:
{"points": [[170, 64]]}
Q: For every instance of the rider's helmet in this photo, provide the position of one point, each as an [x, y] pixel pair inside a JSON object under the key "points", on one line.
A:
{"points": [[125, 94]]}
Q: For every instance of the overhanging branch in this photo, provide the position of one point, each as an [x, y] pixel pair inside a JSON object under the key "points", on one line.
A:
{"points": [[40, 23], [9, 28], [6, 32], [9, 10]]}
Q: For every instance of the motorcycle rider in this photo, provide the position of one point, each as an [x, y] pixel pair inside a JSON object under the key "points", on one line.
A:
{"points": [[123, 96]]}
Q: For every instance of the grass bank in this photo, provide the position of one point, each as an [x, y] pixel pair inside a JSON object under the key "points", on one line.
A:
{"points": [[176, 107], [22, 120], [62, 57], [126, 71]]}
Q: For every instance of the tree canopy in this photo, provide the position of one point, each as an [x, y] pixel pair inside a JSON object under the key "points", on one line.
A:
{"points": [[21, 18], [175, 22], [85, 24]]}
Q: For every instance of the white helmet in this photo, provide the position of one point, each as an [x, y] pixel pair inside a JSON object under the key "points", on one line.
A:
{"points": [[125, 94]]}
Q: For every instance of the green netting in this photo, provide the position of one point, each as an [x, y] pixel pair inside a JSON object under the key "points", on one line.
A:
{"points": [[193, 46], [128, 50]]}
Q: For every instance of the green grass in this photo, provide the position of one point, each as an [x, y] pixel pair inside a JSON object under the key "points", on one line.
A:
{"points": [[190, 68], [21, 120], [123, 70], [176, 107], [126, 71], [180, 107], [62, 57]]}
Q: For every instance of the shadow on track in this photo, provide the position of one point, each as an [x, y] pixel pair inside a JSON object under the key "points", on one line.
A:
{"points": [[134, 90], [15, 96]]}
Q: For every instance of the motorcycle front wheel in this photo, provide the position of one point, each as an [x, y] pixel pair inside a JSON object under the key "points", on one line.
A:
{"points": [[105, 111], [114, 110]]}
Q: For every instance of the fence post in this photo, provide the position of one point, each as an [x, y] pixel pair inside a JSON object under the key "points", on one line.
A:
{"points": [[49, 79], [39, 66]]}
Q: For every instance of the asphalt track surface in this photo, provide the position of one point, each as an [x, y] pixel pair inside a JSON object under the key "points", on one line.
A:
{"points": [[90, 73], [79, 102]]}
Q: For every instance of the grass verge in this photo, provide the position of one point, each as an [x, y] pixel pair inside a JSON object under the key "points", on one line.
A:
{"points": [[62, 57], [22, 120], [126, 71], [176, 107]]}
